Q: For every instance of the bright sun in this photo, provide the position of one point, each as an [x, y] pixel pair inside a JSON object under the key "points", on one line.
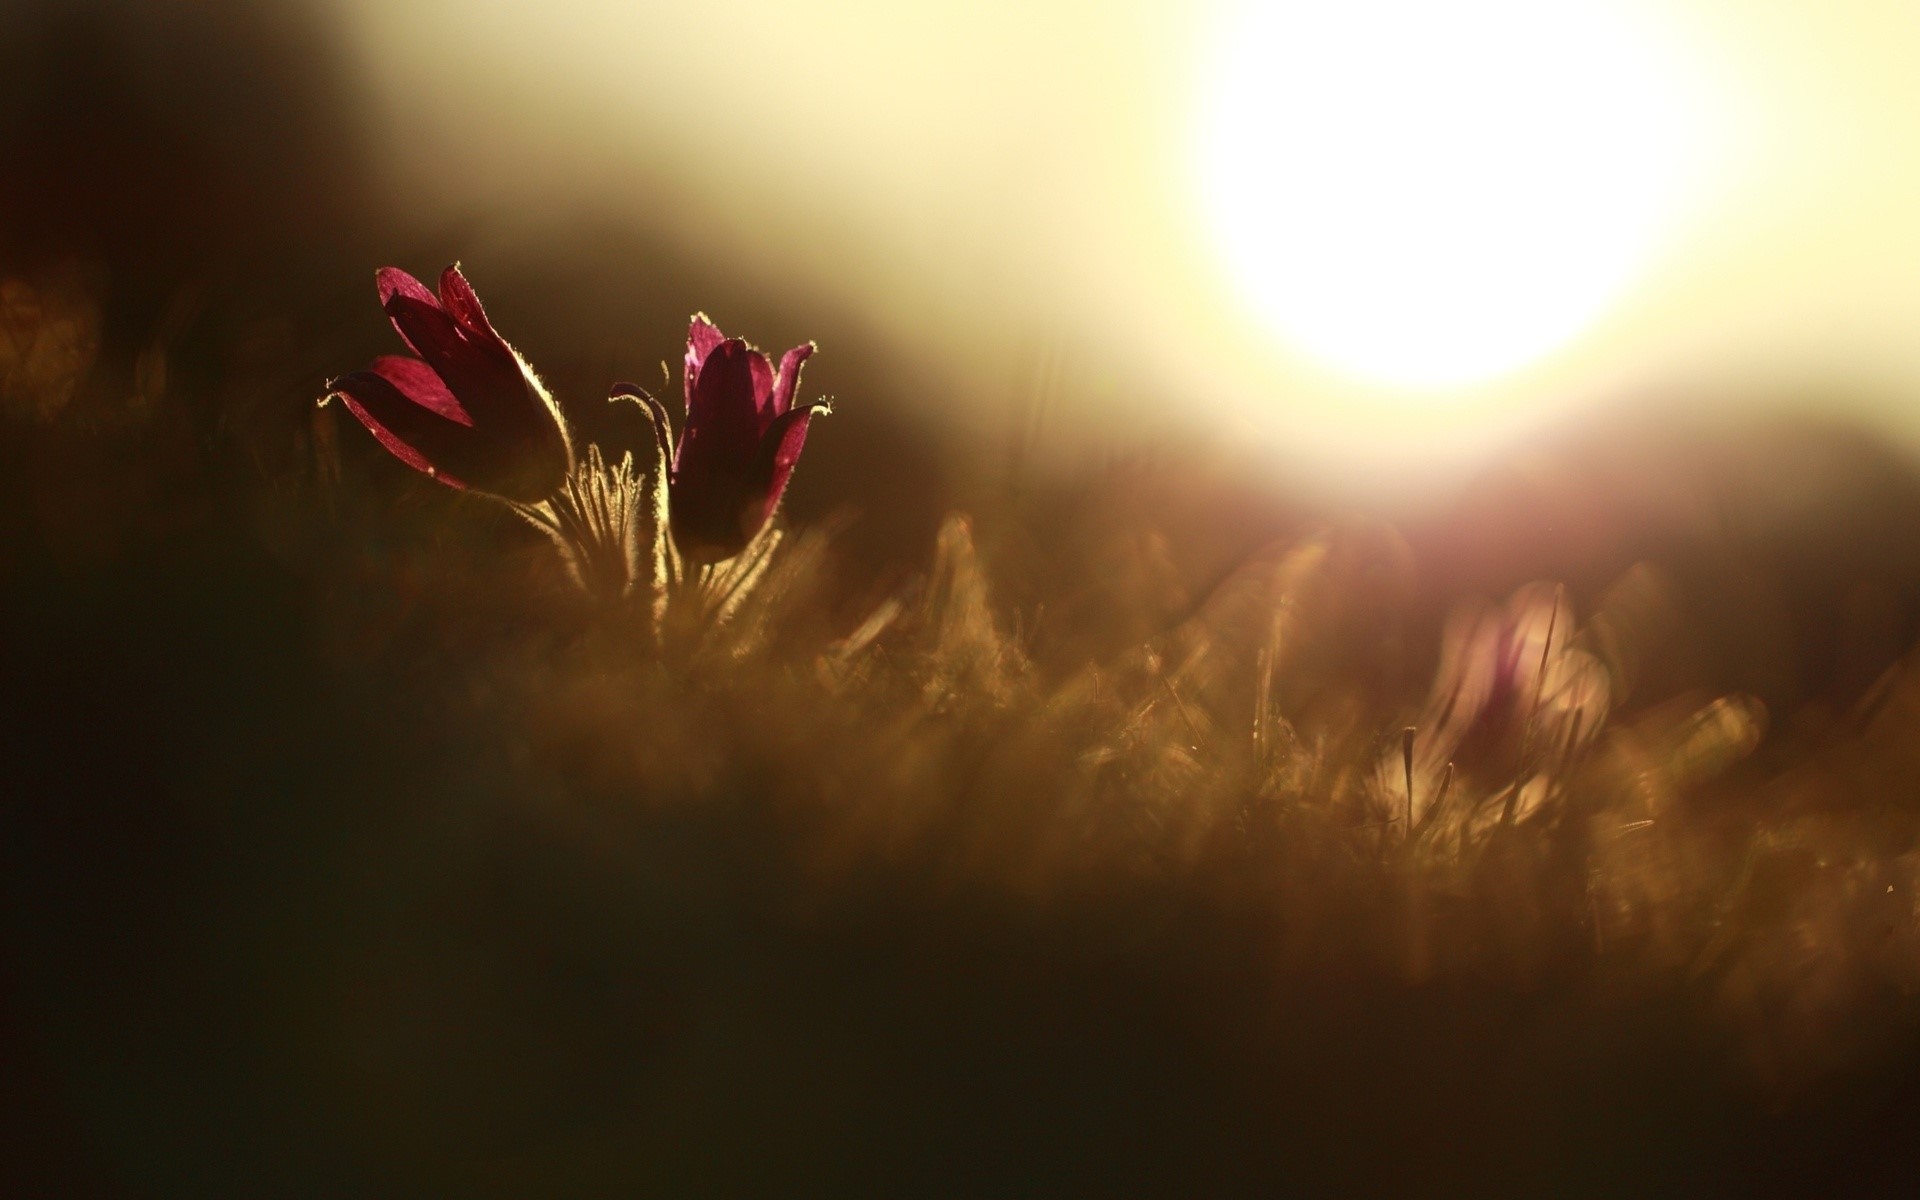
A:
{"points": [[1431, 195]]}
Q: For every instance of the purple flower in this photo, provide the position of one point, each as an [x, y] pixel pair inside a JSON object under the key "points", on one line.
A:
{"points": [[468, 411], [742, 437], [1513, 700], [1511, 675]]}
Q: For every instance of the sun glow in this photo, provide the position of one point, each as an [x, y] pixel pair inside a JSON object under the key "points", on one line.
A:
{"points": [[1429, 196]]}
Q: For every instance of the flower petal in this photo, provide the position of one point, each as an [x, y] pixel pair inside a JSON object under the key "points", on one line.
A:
{"points": [[713, 482], [702, 336], [788, 381], [483, 372], [762, 372], [392, 282], [467, 359], [417, 381], [458, 298], [722, 428], [424, 326], [418, 436], [779, 454]]}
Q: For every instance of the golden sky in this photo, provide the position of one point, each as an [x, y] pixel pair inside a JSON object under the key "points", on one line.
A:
{"points": [[982, 175]]}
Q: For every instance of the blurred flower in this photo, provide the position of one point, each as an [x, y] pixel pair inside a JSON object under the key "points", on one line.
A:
{"points": [[742, 437], [469, 411], [1511, 681], [1513, 700]]}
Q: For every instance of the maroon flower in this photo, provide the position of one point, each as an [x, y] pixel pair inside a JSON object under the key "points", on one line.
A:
{"points": [[468, 411], [742, 437]]}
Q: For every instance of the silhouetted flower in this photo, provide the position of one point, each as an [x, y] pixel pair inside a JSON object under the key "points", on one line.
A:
{"points": [[742, 437], [468, 411]]}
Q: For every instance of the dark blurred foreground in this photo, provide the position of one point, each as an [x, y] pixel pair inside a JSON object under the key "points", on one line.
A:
{"points": [[344, 852]]}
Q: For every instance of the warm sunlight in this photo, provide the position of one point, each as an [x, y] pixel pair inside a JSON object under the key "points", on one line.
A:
{"points": [[1430, 196]]}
